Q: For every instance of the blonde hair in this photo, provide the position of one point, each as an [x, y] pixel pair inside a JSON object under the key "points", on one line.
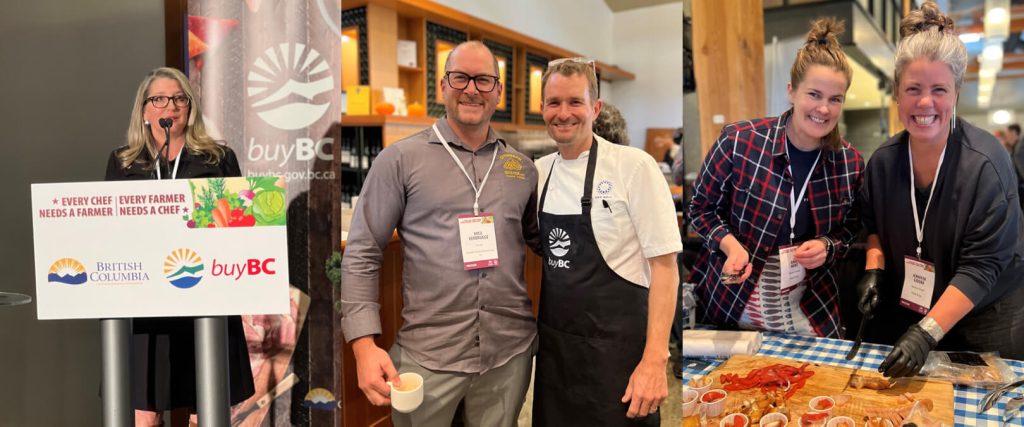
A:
{"points": [[928, 34], [139, 136], [570, 68], [822, 48]]}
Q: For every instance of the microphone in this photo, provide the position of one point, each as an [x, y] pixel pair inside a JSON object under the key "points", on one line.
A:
{"points": [[166, 124]]}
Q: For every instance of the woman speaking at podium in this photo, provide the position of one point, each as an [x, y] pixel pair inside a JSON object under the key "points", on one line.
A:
{"points": [[163, 373]]}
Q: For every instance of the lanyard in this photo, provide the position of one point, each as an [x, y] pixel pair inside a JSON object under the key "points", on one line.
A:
{"points": [[794, 199], [174, 173], [477, 191], [919, 225]]}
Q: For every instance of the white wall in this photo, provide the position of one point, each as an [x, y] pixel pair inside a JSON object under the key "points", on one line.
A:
{"points": [[649, 43], [581, 26]]}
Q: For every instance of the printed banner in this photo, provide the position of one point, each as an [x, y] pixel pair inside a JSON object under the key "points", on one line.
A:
{"points": [[267, 76], [199, 247]]}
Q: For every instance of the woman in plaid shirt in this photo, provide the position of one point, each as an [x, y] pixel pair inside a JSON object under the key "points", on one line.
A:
{"points": [[766, 261]]}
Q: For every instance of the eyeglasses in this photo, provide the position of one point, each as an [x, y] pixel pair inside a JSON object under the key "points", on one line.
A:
{"points": [[163, 101], [460, 81], [579, 60]]}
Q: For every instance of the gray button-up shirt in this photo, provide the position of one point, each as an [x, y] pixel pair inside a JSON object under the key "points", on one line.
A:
{"points": [[452, 319]]}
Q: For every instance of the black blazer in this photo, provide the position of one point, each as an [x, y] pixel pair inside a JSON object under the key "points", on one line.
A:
{"points": [[163, 351], [192, 166]]}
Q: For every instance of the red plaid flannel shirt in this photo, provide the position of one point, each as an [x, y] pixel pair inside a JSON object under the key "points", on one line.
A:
{"points": [[744, 188]]}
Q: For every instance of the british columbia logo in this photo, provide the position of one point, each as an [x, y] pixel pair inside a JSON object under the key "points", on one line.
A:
{"points": [[183, 268], [281, 74], [68, 271], [558, 241], [320, 398]]}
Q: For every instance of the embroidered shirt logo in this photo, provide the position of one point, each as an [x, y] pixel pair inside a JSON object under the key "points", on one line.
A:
{"points": [[513, 166], [604, 187]]}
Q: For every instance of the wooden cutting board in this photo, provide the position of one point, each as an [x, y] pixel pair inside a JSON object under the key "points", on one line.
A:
{"points": [[831, 381]]}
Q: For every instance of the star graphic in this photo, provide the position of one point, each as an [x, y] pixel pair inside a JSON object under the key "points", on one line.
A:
{"points": [[55, 201], [185, 209]]}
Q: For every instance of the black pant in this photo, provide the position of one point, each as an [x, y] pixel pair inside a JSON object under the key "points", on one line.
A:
{"points": [[998, 327]]}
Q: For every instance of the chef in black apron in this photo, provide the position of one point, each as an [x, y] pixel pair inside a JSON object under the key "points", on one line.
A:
{"points": [[592, 326], [595, 352]]}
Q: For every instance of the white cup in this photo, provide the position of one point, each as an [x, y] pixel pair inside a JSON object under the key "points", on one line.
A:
{"points": [[774, 417], [822, 404], [734, 420], [410, 395], [841, 422], [689, 401], [713, 408]]}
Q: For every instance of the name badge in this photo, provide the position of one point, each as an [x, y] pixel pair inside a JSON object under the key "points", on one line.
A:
{"points": [[478, 240], [918, 285], [792, 272]]}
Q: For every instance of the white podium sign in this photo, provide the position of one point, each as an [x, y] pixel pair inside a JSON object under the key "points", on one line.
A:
{"points": [[199, 247]]}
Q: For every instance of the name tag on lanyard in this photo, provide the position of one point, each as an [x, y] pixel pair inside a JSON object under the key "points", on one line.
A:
{"points": [[918, 285], [792, 272], [478, 240], [918, 274]]}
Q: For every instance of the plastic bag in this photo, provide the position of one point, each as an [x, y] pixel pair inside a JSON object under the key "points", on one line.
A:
{"points": [[967, 368], [919, 417]]}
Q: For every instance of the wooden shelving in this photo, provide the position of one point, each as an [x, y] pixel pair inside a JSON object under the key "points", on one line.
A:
{"points": [[389, 21]]}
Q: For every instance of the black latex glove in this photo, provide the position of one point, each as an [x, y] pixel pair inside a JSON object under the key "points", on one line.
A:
{"points": [[909, 354], [867, 291]]}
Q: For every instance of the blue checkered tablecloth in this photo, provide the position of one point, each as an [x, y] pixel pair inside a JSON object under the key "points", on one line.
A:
{"points": [[827, 351]]}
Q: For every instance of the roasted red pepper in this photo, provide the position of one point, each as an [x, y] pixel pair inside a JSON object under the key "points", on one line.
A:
{"points": [[769, 378]]}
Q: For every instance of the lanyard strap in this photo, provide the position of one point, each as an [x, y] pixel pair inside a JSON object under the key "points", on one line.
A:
{"points": [[794, 199], [588, 181], [477, 191], [919, 225], [174, 173]]}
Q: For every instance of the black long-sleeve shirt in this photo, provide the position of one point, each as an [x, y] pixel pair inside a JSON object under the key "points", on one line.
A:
{"points": [[973, 231]]}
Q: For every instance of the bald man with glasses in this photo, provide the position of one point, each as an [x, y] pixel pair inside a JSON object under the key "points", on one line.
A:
{"points": [[464, 204]]}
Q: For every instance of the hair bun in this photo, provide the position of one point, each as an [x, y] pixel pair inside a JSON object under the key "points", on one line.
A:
{"points": [[924, 19], [825, 31]]}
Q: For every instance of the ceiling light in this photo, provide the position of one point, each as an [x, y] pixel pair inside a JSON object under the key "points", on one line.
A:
{"points": [[986, 80], [345, 38], [971, 37], [997, 19], [992, 52], [1001, 117]]}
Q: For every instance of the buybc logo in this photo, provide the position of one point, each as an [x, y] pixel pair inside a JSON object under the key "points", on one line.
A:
{"points": [[283, 82], [183, 268], [67, 271], [558, 244], [250, 267]]}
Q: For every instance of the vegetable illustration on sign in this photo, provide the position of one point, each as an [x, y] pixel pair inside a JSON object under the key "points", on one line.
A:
{"points": [[237, 202]]}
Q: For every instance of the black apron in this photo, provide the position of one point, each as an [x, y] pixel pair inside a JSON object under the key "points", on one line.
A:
{"points": [[592, 325]]}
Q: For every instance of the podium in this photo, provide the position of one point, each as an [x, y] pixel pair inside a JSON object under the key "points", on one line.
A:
{"points": [[201, 248]]}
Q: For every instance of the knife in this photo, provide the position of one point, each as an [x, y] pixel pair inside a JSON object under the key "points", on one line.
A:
{"points": [[860, 337]]}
